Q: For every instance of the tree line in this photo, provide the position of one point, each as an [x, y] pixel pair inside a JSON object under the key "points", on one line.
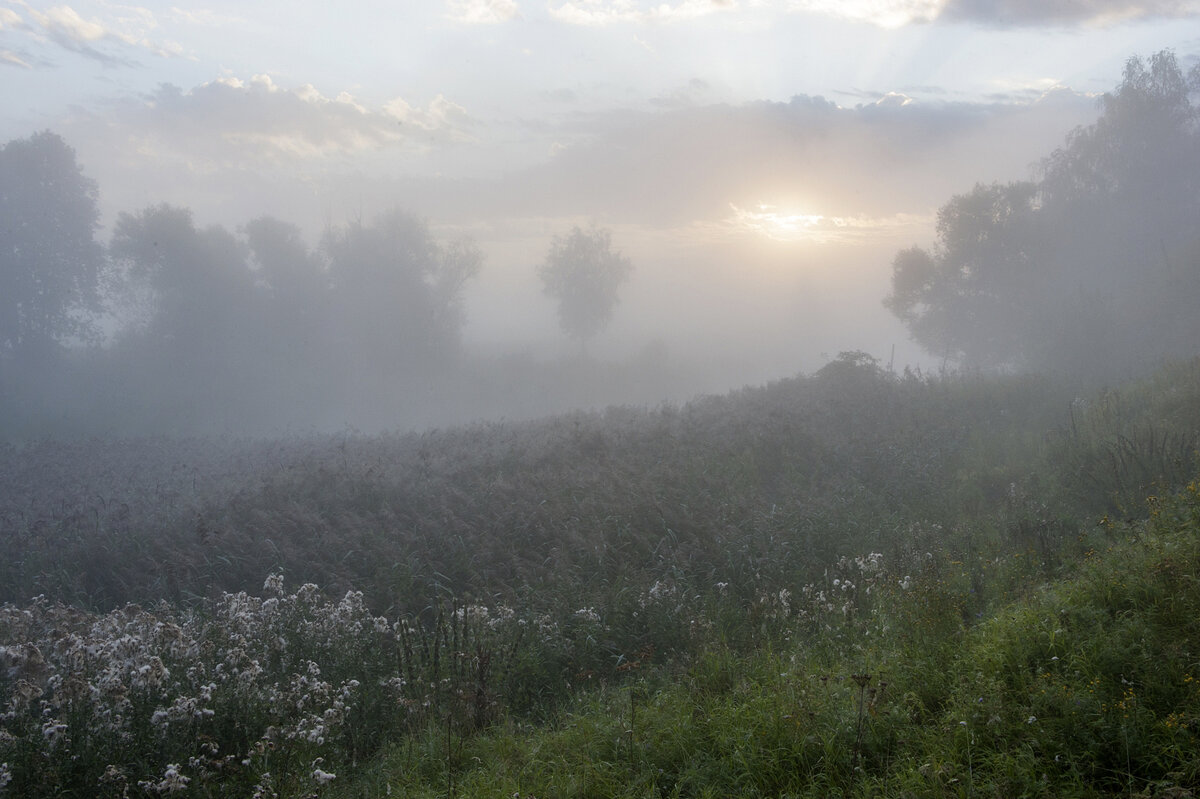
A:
{"points": [[175, 327], [1090, 269]]}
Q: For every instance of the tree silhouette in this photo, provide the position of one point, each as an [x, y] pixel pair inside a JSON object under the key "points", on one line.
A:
{"points": [[583, 273], [1090, 271], [398, 290], [50, 262]]}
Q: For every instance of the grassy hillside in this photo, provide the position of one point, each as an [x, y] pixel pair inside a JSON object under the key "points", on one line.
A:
{"points": [[852, 583]]}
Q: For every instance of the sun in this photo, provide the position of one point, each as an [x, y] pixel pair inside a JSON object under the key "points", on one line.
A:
{"points": [[776, 223]]}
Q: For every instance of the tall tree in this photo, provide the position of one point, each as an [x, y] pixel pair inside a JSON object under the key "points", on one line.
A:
{"points": [[294, 321], [198, 359], [583, 273], [1093, 269], [50, 261], [963, 300], [397, 291]]}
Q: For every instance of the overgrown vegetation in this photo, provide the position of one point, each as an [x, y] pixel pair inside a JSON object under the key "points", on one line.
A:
{"points": [[855, 583]]}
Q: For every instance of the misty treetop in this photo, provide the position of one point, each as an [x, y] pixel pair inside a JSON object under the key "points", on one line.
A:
{"points": [[583, 273], [51, 266], [261, 321], [1089, 271], [176, 327]]}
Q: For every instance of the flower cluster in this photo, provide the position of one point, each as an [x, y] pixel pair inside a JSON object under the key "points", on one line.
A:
{"points": [[165, 700]]}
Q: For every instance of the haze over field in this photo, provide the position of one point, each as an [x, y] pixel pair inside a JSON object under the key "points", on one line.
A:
{"points": [[623, 398], [760, 164]]}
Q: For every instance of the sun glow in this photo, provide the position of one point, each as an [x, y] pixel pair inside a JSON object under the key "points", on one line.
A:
{"points": [[777, 223], [790, 225]]}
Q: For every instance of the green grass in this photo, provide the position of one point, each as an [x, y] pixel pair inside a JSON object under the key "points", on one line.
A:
{"points": [[854, 584], [1087, 685]]}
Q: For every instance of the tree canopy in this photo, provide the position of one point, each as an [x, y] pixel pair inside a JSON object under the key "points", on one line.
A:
{"points": [[50, 263], [582, 273], [1089, 270]]}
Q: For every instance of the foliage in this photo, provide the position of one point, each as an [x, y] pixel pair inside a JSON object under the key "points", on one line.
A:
{"points": [[583, 273], [50, 263], [972, 298], [1087, 272], [248, 330], [719, 490], [397, 289], [849, 584], [52, 272]]}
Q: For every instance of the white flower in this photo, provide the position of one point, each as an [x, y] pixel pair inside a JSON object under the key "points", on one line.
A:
{"points": [[52, 729], [171, 781], [587, 615]]}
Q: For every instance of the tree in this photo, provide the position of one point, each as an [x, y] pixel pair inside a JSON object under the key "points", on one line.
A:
{"points": [[293, 318], [965, 299], [50, 262], [201, 289], [398, 291], [583, 273], [1090, 270], [197, 361]]}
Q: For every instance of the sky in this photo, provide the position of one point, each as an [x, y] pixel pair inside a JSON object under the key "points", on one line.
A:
{"points": [[760, 162]]}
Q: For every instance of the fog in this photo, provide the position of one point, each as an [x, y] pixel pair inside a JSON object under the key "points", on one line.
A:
{"points": [[311, 237]]}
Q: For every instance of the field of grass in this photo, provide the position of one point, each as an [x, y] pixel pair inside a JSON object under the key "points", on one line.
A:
{"points": [[849, 584]]}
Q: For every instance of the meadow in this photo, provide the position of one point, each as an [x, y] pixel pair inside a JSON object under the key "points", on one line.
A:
{"points": [[855, 583]]}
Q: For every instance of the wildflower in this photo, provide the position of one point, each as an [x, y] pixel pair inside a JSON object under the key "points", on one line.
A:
{"points": [[1031, 719], [52, 729], [274, 584], [262, 790], [171, 781], [321, 776]]}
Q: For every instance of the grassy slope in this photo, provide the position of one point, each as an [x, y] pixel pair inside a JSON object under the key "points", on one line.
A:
{"points": [[1087, 685], [683, 601]]}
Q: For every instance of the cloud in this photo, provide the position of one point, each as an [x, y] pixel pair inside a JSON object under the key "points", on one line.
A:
{"points": [[231, 124], [1015, 13], [998, 13], [883, 13], [105, 41], [64, 27], [894, 99], [690, 94], [12, 59], [809, 156], [607, 12], [482, 12], [880, 13], [442, 117], [9, 19], [204, 17]]}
